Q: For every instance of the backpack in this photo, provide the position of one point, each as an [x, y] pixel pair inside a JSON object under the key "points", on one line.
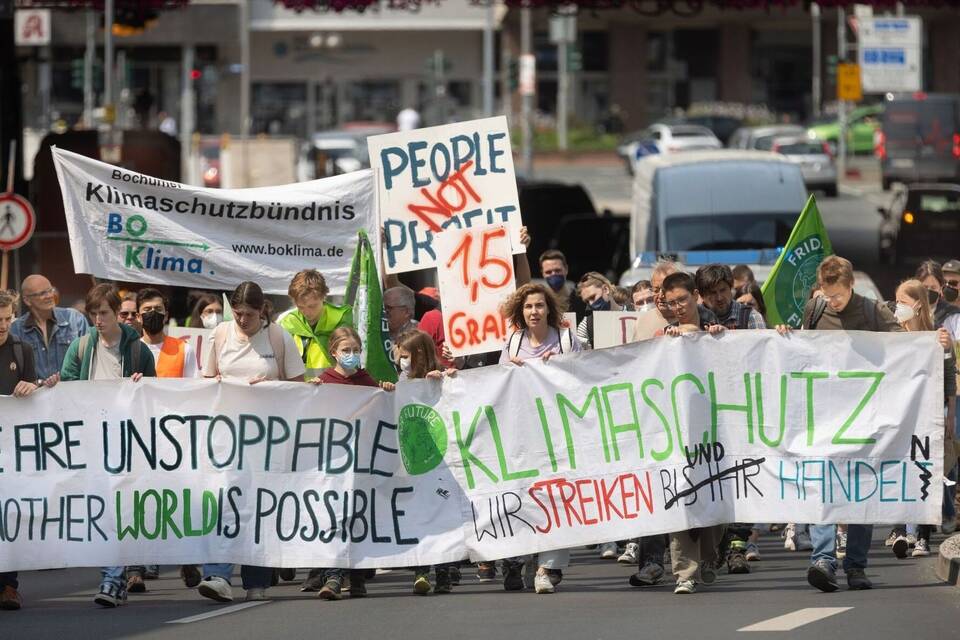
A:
{"points": [[942, 312], [516, 339], [869, 311], [134, 353], [277, 344]]}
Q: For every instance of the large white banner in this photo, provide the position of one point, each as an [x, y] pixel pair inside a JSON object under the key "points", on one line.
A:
{"points": [[127, 226], [428, 180], [646, 438]]}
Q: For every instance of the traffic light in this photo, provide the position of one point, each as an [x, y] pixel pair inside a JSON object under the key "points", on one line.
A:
{"points": [[76, 73], [832, 66]]}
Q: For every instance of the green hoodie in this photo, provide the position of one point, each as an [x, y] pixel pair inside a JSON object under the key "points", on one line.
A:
{"points": [[316, 339], [77, 366]]}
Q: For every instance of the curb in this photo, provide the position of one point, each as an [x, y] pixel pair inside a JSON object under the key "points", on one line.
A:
{"points": [[948, 560]]}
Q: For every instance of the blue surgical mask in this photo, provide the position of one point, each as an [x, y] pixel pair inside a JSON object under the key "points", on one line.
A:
{"points": [[600, 304], [350, 361], [556, 281]]}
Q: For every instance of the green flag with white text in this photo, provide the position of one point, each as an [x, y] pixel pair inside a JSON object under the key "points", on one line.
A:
{"points": [[366, 298], [787, 288]]}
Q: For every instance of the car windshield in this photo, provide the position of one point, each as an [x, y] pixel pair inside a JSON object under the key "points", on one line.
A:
{"points": [[934, 202], [803, 148], [715, 232]]}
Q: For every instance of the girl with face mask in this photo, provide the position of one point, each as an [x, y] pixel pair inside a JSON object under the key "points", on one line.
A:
{"points": [[597, 293], [207, 312], [913, 312]]}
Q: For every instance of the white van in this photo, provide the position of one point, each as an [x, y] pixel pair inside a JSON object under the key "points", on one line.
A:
{"points": [[714, 200]]}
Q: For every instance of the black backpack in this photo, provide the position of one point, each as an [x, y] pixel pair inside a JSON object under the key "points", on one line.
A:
{"points": [[869, 311]]}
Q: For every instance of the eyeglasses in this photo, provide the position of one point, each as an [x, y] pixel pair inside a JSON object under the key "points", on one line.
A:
{"points": [[158, 309], [128, 314], [677, 304], [834, 298], [953, 283], [52, 291]]}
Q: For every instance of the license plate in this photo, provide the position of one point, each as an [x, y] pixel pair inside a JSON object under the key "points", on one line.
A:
{"points": [[902, 163]]}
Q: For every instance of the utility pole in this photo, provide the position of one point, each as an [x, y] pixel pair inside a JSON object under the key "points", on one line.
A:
{"points": [[842, 104], [109, 108], [89, 55], [244, 19], [816, 94], [526, 49], [488, 60], [188, 112]]}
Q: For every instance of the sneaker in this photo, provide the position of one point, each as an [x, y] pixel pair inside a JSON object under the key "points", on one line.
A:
{"points": [[421, 585], [922, 549], [608, 550], [486, 571], [135, 584], [708, 575], [555, 575], [216, 588], [256, 594], [10, 600], [629, 555], [542, 583], [314, 581], [190, 575], [803, 541], [822, 576], [288, 575], [330, 590], [513, 578], [857, 580], [894, 534], [737, 563], [841, 543], [443, 585], [900, 547], [790, 538], [685, 587], [152, 572], [455, 576], [753, 551], [649, 575], [111, 595]]}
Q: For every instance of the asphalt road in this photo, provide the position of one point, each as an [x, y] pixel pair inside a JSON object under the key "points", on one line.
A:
{"points": [[593, 601]]}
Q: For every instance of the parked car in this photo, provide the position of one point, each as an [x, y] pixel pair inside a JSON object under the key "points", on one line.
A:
{"points": [[761, 138], [667, 138], [815, 162], [922, 221], [919, 139], [722, 126], [331, 153], [862, 123], [718, 200]]}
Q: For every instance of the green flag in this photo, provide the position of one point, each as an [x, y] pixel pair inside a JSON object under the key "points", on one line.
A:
{"points": [[787, 288], [364, 295]]}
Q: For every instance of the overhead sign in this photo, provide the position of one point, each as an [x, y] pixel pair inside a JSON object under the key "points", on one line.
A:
{"points": [[32, 27], [848, 82], [17, 221], [891, 54]]}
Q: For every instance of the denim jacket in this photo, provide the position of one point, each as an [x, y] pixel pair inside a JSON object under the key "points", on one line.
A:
{"points": [[69, 324]]}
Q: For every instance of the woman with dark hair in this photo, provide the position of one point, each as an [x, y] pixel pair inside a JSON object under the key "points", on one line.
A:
{"points": [[207, 312], [752, 297], [252, 349]]}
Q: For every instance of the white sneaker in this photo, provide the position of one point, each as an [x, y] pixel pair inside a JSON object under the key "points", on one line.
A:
{"points": [[608, 550], [216, 588], [629, 555], [256, 594], [803, 541], [542, 584], [922, 549], [790, 538], [685, 586]]}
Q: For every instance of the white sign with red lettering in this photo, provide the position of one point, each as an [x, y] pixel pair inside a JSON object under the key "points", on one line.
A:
{"points": [[475, 268], [32, 27]]}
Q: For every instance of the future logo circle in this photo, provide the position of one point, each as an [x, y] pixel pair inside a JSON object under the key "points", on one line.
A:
{"points": [[423, 438], [803, 261]]}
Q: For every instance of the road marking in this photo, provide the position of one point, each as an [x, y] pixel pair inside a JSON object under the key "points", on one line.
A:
{"points": [[219, 612], [791, 621]]}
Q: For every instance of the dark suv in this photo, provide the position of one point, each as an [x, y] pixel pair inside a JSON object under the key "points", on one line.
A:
{"points": [[922, 221]]}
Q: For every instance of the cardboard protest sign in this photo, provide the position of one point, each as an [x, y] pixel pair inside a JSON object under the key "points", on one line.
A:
{"points": [[132, 227], [614, 328], [196, 337], [664, 435], [449, 177], [476, 276]]}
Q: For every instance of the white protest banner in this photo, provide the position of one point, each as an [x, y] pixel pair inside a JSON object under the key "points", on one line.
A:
{"points": [[131, 227], [658, 436], [196, 337], [615, 328], [452, 176], [476, 276]]}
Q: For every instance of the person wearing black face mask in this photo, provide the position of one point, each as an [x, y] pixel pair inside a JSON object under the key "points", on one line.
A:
{"points": [[951, 282], [554, 270], [597, 294]]}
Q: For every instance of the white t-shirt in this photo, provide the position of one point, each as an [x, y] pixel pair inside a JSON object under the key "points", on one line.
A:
{"points": [[246, 358], [408, 119], [106, 362], [190, 368]]}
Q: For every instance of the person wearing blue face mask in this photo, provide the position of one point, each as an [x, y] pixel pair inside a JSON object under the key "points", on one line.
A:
{"points": [[554, 271], [597, 294]]}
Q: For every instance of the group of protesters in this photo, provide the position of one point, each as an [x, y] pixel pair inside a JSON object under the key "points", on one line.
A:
{"points": [[125, 336]]}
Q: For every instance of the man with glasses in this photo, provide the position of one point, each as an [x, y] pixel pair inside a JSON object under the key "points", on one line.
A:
{"points": [[47, 328], [399, 303], [129, 315]]}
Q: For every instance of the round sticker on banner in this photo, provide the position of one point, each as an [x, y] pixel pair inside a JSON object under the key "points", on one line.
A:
{"points": [[423, 438], [17, 221]]}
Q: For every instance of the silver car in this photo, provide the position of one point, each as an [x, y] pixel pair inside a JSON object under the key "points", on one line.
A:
{"points": [[815, 160], [761, 138]]}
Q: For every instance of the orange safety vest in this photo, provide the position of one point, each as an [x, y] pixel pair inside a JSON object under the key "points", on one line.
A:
{"points": [[172, 355]]}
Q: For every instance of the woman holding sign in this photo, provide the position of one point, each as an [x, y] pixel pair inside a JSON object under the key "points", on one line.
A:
{"points": [[252, 349], [534, 312]]}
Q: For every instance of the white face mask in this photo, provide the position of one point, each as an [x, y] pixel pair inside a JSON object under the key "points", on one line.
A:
{"points": [[211, 320], [904, 313], [405, 365]]}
